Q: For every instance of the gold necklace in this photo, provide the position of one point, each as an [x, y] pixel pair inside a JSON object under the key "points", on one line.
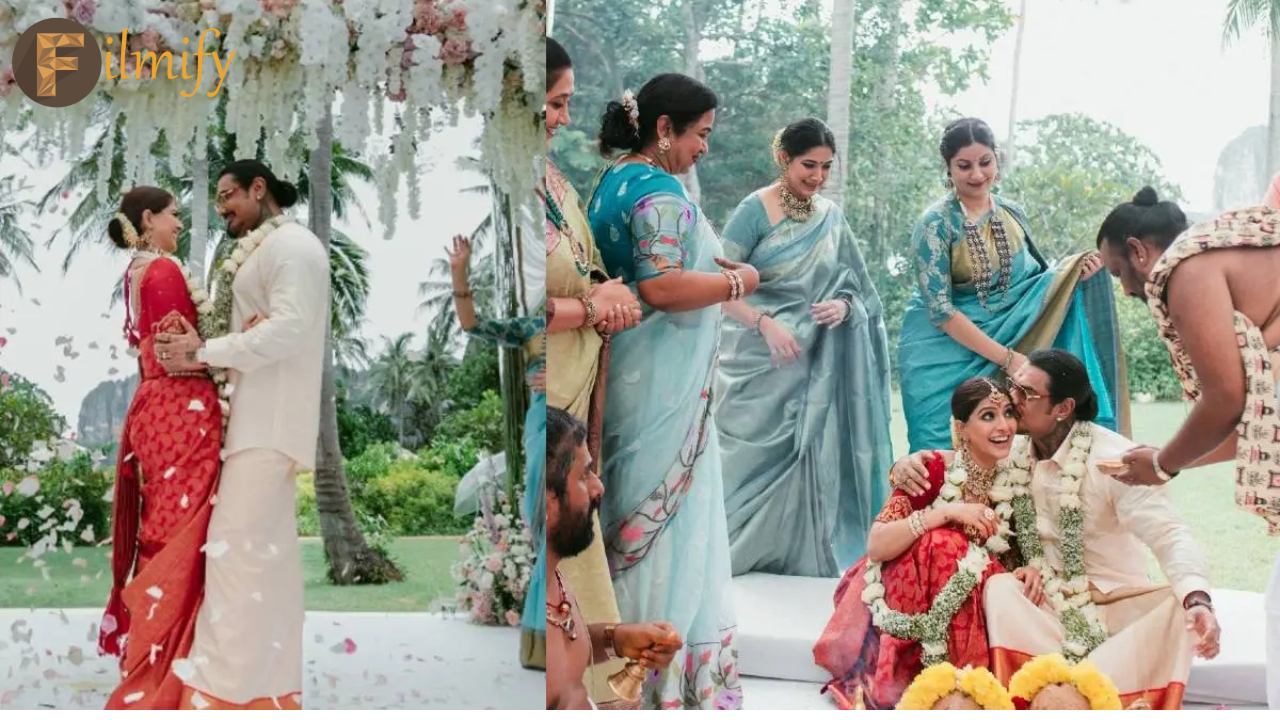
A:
{"points": [[977, 488], [795, 207]]}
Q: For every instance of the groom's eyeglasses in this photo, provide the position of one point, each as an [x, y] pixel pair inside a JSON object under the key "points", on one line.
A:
{"points": [[221, 200], [1020, 391]]}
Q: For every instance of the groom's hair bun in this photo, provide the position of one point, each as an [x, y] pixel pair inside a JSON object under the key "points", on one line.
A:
{"points": [[132, 205], [245, 171]]}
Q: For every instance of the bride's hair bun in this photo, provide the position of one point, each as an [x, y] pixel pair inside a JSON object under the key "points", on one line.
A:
{"points": [[1146, 197]]}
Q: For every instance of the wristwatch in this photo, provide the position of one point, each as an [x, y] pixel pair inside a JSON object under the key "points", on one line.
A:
{"points": [[1198, 599]]}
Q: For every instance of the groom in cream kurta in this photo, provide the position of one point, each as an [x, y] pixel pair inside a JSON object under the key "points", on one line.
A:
{"points": [[1154, 628], [247, 651]]}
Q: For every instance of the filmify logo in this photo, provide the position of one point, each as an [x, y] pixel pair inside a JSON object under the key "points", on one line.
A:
{"points": [[57, 62]]}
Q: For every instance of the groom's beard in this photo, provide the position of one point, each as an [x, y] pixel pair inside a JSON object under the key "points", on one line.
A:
{"points": [[574, 535]]}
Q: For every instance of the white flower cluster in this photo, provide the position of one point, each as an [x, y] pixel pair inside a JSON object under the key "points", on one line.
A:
{"points": [[1068, 590], [292, 57], [497, 565]]}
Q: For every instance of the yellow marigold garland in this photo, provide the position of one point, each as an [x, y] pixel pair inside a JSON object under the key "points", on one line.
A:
{"points": [[938, 681], [1047, 670]]}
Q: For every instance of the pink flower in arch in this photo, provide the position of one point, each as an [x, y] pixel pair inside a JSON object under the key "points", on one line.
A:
{"points": [[705, 657]]}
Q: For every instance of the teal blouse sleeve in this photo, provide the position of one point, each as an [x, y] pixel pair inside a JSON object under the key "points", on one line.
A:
{"points": [[513, 333], [933, 266], [660, 228], [748, 225]]}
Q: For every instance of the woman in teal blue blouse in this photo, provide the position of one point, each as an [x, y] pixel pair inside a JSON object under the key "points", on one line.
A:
{"points": [[985, 297]]}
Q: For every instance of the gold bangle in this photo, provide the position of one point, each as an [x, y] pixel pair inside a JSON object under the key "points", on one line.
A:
{"points": [[590, 308]]}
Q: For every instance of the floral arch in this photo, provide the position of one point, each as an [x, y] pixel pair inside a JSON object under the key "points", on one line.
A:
{"points": [[430, 57]]}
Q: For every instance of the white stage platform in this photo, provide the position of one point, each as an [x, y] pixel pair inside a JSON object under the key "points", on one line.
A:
{"points": [[779, 619], [418, 661]]}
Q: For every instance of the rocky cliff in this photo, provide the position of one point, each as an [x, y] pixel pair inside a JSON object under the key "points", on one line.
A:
{"points": [[102, 412]]}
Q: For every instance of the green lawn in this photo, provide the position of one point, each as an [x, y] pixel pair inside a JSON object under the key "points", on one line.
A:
{"points": [[426, 563], [1239, 550]]}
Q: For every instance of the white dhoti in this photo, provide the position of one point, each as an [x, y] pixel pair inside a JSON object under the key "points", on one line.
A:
{"points": [[247, 651], [1148, 655]]}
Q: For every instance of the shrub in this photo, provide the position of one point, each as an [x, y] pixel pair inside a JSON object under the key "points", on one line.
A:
{"points": [[414, 500], [374, 462], [62, 485], [1149, 368], [308, 518]]}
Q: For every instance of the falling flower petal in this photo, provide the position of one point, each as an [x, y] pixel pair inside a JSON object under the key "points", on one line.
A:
{"points": [[217, 549], [183, 669], [155, 592], [169, 473], [134, 697], [29, 486], [184, 502]]}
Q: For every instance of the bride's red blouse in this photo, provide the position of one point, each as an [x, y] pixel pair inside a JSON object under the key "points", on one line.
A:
{"points": [[857, 654]]}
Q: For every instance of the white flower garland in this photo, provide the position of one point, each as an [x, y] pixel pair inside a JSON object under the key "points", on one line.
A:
{"points": [[930, 628], [1068, 592], [215, 314]]}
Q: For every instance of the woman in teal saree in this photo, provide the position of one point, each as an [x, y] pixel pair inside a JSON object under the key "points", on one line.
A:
{"points": [[663, 505], [985, 297], [803, 386]]}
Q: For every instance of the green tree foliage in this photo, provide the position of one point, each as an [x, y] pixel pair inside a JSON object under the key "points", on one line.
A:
{"points": [[1072, 170], [27, 417]]}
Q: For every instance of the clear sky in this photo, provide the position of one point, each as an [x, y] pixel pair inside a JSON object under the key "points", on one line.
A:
{"points": [[73, 304], [1156, 69]]}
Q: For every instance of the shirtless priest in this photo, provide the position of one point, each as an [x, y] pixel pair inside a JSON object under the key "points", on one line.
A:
{"points": [[573, 493], [1212, 290]]}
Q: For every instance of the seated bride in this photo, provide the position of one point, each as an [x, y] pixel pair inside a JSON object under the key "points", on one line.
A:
{"points": [[915, 600]]}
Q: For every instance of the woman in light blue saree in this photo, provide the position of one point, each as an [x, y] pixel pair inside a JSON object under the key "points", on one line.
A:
{"points": [[803, 387], [663, 506], [985, 297]]}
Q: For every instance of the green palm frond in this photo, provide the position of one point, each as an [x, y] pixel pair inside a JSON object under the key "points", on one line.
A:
{"points": [[1244, 15]]}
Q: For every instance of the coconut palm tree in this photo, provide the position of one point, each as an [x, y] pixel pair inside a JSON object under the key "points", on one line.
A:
{"points": [[16, 246], [1243, 15], [843, 29], [393, 376], [351, 560]]}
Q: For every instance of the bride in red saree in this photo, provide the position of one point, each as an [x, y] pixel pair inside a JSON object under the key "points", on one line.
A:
{"points": [[166, 474], [915, 549]]}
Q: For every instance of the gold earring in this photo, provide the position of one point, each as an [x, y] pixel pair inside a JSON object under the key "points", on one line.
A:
{"points": [[664, 145], [949, 184]]}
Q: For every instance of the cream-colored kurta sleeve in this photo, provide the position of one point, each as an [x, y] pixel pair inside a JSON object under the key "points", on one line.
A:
{"points": [[1148, 513], [297, 277]]}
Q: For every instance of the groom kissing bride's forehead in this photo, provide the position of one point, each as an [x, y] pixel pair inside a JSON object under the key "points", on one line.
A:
{"points": [[249, 194]]}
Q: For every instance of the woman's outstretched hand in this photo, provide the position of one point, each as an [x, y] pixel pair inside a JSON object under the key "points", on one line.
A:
{"points": [[459, 256]]}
